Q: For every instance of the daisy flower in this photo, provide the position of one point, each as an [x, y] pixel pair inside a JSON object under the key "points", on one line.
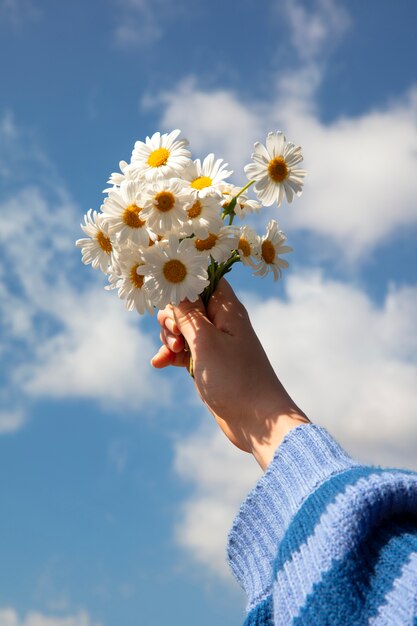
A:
{"points": [[124, 214], [272, 245], [218, 245], [97, 249], [161, 156], [131, 286], [116, 178], [248, 246], [202, 216], [164, 205], [174, 271], [274, 170], [206, 178], [243, 206]]}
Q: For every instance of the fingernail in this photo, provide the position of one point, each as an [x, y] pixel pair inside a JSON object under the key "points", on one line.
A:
{"points": [[172, 327], [171, 341]]}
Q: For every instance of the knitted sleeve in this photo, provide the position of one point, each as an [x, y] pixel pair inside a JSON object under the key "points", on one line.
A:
{"points": [[322, 539]]}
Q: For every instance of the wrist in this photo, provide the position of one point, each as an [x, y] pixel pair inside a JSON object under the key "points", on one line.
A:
{"points": [[277, 425]]}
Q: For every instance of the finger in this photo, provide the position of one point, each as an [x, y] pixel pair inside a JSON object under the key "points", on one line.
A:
{"points": [[162, 358], [163, 314], [171, 325], [165, 357], [174, 342], [226, 311], [192, 320], [166, 319]]}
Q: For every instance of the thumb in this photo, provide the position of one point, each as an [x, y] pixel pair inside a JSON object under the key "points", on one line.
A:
{"points": [[226, 311], [191, 319]]}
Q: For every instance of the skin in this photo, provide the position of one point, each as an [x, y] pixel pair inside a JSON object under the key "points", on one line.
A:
{"points": [[253, 409]]}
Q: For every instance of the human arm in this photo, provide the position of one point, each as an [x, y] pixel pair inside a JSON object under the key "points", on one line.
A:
{"points": [[232, 373]]}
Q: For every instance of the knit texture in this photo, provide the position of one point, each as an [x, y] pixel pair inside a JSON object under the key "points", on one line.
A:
{"points": [[324, 540]]}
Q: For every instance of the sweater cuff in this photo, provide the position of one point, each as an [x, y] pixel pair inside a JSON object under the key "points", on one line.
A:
{"points": [[307, 456]]}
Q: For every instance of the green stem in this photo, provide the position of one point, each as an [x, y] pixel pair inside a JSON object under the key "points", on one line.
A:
{"points": [[191, 362], [244, 188], [219, 271], [215, 273], [224, 268], [230, 209]]}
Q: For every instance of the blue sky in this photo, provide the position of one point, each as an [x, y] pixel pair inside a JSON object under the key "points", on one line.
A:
{"points": [[117, 491]]}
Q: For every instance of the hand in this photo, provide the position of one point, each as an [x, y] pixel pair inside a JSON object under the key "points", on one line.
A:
{"points": [[232, 373]]}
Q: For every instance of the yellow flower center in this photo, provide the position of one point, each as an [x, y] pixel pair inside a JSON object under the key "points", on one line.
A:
{"points": [[195, 210], [174, 271], [268, 251], [131, 216], [244, 246], [201, 182], [206, 244], [278, 169], [164, 201], [104, 242], [158, 157], [136, 279]]}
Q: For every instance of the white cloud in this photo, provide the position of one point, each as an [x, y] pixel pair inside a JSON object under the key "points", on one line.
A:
{"points": [[91, 346], [361, 185], [349, 364], [9, 617], [60, 336], [7, 126], [213, 121], [137, 33], [100, 353], [220, 476], [142, 22], [8, 136], [315, 26], [38, 231], [10, 421], [21, 159]]}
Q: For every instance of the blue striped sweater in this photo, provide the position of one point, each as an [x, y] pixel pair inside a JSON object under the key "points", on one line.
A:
{"points": [[322, 539]]}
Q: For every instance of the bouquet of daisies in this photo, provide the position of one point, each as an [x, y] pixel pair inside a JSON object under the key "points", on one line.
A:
{"points": [[165, 230]]}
